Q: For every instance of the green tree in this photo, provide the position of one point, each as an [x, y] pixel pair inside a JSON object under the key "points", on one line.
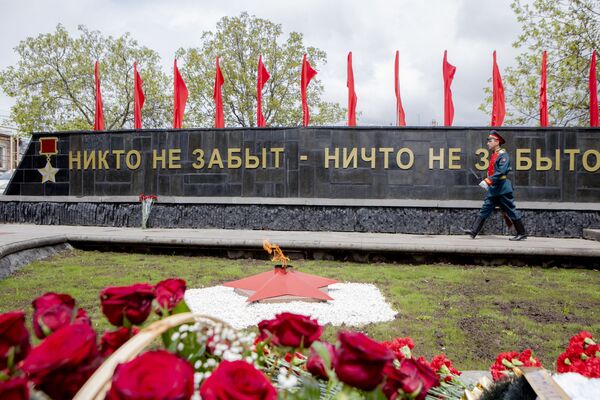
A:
{"points": [[238, 41], [568, 30], [53, 82]]}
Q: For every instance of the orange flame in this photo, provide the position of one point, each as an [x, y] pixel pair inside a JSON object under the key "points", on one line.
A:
{"points": [[278, 255]]}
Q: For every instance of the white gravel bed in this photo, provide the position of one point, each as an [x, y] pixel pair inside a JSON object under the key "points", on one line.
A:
{"points": [[353, 304]]}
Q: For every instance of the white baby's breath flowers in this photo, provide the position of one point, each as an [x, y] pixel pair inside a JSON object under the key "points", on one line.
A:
{"points": [[286, 381], [175, 336], [211, 362], [198, 378], [231, 356]]}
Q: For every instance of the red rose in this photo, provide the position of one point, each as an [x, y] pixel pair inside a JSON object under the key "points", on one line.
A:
{"points": [[315, 365], [133, 303], [51, 311], [169, 293], [291, 330], [413, 378], [233, 380], [14, 389], [153, 375], [82, 317], [63, 361], [360, 360], [13, 333], [111, 341]]}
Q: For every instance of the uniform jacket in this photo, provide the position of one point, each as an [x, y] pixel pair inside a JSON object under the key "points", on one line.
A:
{"points": [[497, 179]]}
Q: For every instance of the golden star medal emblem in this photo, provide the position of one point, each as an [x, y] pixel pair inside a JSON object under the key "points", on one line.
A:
{"points": [[48, 173], [48, 147]]}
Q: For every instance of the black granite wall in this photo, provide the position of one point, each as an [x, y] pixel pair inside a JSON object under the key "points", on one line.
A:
{"points": [[308, 178], [417, 220]]}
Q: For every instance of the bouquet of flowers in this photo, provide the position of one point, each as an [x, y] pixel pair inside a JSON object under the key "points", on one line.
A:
{"points": [[201, 358], [146, 201], [582, 355]]}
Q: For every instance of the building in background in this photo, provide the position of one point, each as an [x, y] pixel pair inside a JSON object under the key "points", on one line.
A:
{"points": [[10, 150]]}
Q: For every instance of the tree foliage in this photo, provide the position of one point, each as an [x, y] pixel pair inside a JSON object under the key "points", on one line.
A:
{"points": [[53, 82], [568, 30], [238, 41]]}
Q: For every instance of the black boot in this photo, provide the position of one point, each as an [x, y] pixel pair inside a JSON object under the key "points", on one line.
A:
{"points": [[477, 225], [521, 234]]}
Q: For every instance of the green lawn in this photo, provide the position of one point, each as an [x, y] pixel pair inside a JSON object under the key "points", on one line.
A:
{"points": [[469, 313]]}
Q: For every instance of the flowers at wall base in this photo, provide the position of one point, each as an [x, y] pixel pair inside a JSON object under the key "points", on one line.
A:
{"points": [[506, 362], [582, 356]]}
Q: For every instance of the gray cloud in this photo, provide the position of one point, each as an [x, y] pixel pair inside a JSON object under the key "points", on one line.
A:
{"points": [[421, 30]]}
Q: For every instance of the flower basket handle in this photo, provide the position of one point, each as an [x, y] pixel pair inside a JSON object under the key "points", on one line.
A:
{"points": [[99, 383]]}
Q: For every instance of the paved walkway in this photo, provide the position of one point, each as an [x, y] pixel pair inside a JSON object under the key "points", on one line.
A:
{"points": [[17, 237]]}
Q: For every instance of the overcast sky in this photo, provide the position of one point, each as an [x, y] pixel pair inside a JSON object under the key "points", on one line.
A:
{"points": [[372, 29]]}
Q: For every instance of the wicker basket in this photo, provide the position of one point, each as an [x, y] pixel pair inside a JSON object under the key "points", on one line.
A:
{"points": [[99, 383]]}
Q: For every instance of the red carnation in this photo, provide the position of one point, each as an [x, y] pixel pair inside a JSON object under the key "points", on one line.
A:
{"points": [[63, 361], [581, 338], [360, 360], [14, 389], [506, 361], [413, 378], [13, 334], [443, 366], [401, 347], [169, 293], [291, 330], [111, 341], [132, 303], [315, 364], [154, 375], [233, 380]]}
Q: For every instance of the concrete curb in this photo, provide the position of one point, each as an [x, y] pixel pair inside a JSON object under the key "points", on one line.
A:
{"points": [[15, 247], [591, 234]]}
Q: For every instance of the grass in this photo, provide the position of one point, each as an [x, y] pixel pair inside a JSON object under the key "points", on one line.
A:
{"points": [[469, 313]]}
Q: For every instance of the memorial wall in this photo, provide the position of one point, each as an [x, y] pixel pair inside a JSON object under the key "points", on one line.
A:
{"points": [[412, 180]]}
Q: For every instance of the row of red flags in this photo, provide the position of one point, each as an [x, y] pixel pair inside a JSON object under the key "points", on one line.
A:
{"points": [[180, 94]]}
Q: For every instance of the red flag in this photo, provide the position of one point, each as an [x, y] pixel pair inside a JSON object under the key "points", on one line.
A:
{"points": [[180, 95], [498, 105], [399, 110], [138, 98], [218, 97], [307, 74], [593, 92], [448, 71], [99, 114], [543, 99], [351, 94], [261, 78]]}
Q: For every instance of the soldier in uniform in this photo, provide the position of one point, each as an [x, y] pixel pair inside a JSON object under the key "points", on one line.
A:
{"points": [[499, 189]]}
